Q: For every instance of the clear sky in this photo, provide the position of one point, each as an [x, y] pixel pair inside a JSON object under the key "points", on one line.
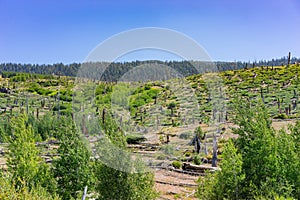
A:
{"points": [[51, 31]]}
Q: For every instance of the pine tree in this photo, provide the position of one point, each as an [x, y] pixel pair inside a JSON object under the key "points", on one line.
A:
{"points": [[270, 159], [118, 176], [24, 163], [260, 164], [73, 167]]}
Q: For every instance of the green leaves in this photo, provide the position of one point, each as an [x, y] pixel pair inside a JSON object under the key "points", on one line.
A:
{"points": [[134, 182], [72, 169], [261, 163], [224, 184], [24, 163], [269, 157]]}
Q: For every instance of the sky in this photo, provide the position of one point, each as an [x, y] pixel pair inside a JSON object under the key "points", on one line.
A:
{"points": [[54, 31]]}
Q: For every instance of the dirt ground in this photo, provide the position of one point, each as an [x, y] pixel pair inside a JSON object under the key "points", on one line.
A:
{"points": [[167, 183]]}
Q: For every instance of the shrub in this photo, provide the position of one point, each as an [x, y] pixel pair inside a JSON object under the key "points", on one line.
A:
{"points": [[161, 157], [135, 139], [168, 149], [60, 107], [177, 164], [281, 116], [197, 160], [185, 135], [187, 154]]}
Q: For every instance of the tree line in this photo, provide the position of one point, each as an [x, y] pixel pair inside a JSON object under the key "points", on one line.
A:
{"points": [[113, 71]]}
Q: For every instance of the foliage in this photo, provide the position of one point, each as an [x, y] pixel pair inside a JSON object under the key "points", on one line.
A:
{"points": [[24, 162], [134, 182], [199, 133], [281, 116], [197, 159], [115, 70], [135, 139], [115, 184], [177, 164], [224, 184], [270, 160], [185, 135], [39, 90], [2, 135], [142, 96], [265, 161], [73, 168], [8, 191], [261, 163], [5, 130], [168, 149], [44, 126]]}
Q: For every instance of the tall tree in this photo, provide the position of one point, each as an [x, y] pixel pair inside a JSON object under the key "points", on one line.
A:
{"points": [[270, 159], [133, 182], [262, 163], [24, 163], [73, 167]]}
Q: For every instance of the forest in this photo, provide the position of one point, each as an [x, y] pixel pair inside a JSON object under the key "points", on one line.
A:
{"points": [[191, 139], [116, 69]]}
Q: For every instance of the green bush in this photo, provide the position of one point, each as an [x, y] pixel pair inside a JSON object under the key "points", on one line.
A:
{"points": [[187, 154], [281, 116], [197, 160], [135, 139], [185, 135], [161, 157], [168, 149], [177, 164], [60, 107]]}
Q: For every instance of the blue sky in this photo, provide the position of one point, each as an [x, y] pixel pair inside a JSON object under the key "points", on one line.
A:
{"points": [[51, 31]]}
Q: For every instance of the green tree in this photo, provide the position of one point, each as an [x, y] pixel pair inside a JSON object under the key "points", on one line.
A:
{"points": [[5, 130], [199, 133], [134, 182], [8, 191], [73, 167], [226, 183], [270, 159], [24, 163], [260, 164]]}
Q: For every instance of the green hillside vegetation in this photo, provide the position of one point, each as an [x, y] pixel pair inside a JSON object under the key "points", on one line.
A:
{"points": [[48, 151]]}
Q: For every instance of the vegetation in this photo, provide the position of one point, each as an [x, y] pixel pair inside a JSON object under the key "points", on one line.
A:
{"points": [[25, 166], [260, 163], [73, 169], [135, 139], [177, 164], [50, 153], [132, 181], [115, 70]]}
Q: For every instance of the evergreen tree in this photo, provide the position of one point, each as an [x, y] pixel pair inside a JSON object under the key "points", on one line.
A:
{"points": [[134, 182], [73, 167], [8, 191], [270, 159], [226, 183], [24, 163], [261, 163]]}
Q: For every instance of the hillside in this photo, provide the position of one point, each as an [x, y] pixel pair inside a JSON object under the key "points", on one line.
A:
{"points": [[159, 118]]}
